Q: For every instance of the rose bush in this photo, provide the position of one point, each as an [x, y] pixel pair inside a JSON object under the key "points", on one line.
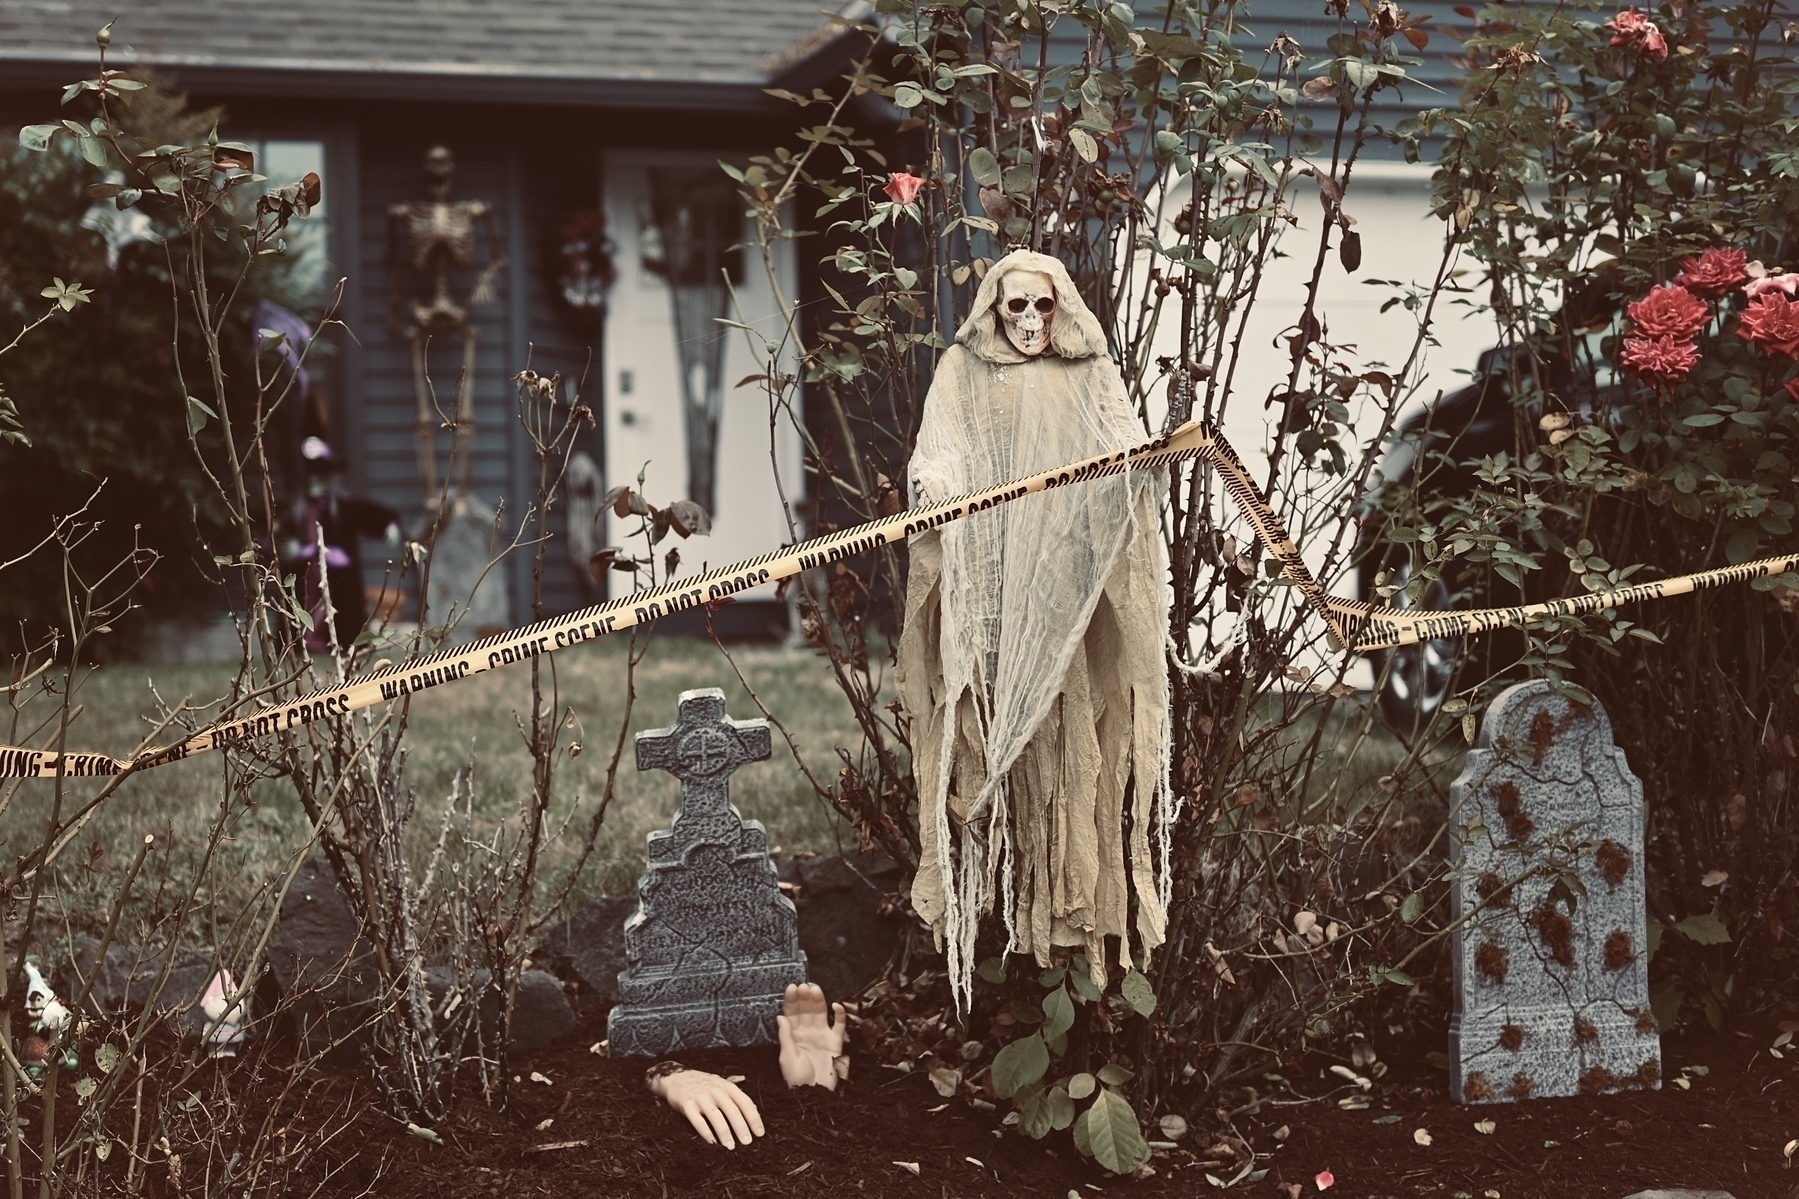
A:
{"points": [[1638, 196]]}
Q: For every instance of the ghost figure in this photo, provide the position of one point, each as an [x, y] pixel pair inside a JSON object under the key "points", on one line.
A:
{"points": [[1030, 663]]}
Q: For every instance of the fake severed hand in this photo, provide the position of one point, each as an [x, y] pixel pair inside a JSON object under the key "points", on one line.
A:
{"points": [[718, 1111], [811, 1047]]}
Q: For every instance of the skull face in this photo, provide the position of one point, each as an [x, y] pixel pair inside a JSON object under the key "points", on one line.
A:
{"points": [[1027, 305]]}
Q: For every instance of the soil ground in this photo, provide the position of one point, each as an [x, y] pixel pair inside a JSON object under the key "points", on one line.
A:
{"points": [[1726, 1131]]}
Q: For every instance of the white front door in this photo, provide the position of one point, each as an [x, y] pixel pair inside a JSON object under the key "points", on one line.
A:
{"points": [[672, 370]]}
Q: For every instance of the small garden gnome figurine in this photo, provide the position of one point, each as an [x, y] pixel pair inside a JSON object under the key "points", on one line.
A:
{"points": [[42, 1007], [225, 1012], [1031, 662]]}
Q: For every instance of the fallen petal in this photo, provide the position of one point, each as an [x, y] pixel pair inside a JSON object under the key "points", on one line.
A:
{"points": [[1420, 1136], [1325, 1180]]}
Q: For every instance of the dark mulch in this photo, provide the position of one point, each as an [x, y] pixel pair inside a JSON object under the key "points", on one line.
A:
{"points": [[1726, 1132]]}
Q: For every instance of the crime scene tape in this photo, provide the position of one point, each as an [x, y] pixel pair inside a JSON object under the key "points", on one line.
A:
{"points": [[1355, 624]]}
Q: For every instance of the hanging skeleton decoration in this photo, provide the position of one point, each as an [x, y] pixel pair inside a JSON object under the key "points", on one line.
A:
{"points": [[433, 238], [1031, 664]]}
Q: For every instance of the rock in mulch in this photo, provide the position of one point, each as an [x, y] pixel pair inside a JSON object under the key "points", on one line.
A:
{"points": [[326, 971], [847, 939], [127, 979], [541, 1013], [590, 944]]}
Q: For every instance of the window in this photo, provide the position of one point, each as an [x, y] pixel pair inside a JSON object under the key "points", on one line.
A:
{"points": [[285, 162]]}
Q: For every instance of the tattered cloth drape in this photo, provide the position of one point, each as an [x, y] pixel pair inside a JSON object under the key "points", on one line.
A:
{"points": [[1030, 662]]}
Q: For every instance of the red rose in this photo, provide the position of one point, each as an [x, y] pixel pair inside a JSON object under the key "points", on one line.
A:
{"points": [[1714, 272], [1660, 359], [1669, 311], [1771, 324], [902, 187], [1632, 28]]}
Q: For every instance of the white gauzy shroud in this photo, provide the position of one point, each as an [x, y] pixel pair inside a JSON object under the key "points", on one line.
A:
{"points": [[1018, 588]]}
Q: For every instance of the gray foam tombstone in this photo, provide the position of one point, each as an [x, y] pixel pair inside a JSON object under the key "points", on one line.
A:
{"points": [[1547, 1001], [464, 578], [713, 943]]}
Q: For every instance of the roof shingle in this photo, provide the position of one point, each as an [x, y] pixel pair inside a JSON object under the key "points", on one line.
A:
{"points": [[594, 50]]}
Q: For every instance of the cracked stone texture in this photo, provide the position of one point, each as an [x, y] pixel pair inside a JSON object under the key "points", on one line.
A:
{"points": [[1547, 1002], [713, 943]]}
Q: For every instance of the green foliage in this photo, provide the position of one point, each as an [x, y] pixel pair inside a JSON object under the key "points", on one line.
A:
{"points": [[1072, 1019], [1583, 171]]}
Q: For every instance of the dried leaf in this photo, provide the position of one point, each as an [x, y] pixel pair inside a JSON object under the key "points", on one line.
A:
{"points": [[912, 1167], [1322, 87], [615, 500], [1714, 878], [689, 519], [946, 1082], [1350, 252]]}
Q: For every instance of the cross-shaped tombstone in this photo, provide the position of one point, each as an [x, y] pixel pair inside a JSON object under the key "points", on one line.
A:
{"points": [[713, 943]]}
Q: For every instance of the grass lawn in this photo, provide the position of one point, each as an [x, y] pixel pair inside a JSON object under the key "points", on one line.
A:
{"points": [[449, 726]]}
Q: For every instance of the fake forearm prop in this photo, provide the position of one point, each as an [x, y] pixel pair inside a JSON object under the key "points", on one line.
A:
{"points": [[1358, 625]]}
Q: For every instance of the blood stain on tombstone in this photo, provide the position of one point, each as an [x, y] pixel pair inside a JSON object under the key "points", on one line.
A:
{"points": [[1518, 824], [1556, 932], [1613, 861]]}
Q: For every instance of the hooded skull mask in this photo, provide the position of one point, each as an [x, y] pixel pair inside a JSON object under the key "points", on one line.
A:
{"points": [[1051, 307], [1030, 662], [1027, 305]]}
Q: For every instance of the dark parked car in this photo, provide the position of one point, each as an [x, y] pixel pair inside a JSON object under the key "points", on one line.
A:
{"points": [[1432, 450]]}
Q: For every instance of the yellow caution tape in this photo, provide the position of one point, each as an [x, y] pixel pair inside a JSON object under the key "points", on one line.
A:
{"points": [[1358, 625]]}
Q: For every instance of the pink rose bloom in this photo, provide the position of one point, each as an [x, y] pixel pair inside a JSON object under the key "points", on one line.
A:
{"points": [[1771, 324], [1714, 272], [1653, 44], [1660, 359], [903, 187], [1669, 311], [1781, 283]]}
